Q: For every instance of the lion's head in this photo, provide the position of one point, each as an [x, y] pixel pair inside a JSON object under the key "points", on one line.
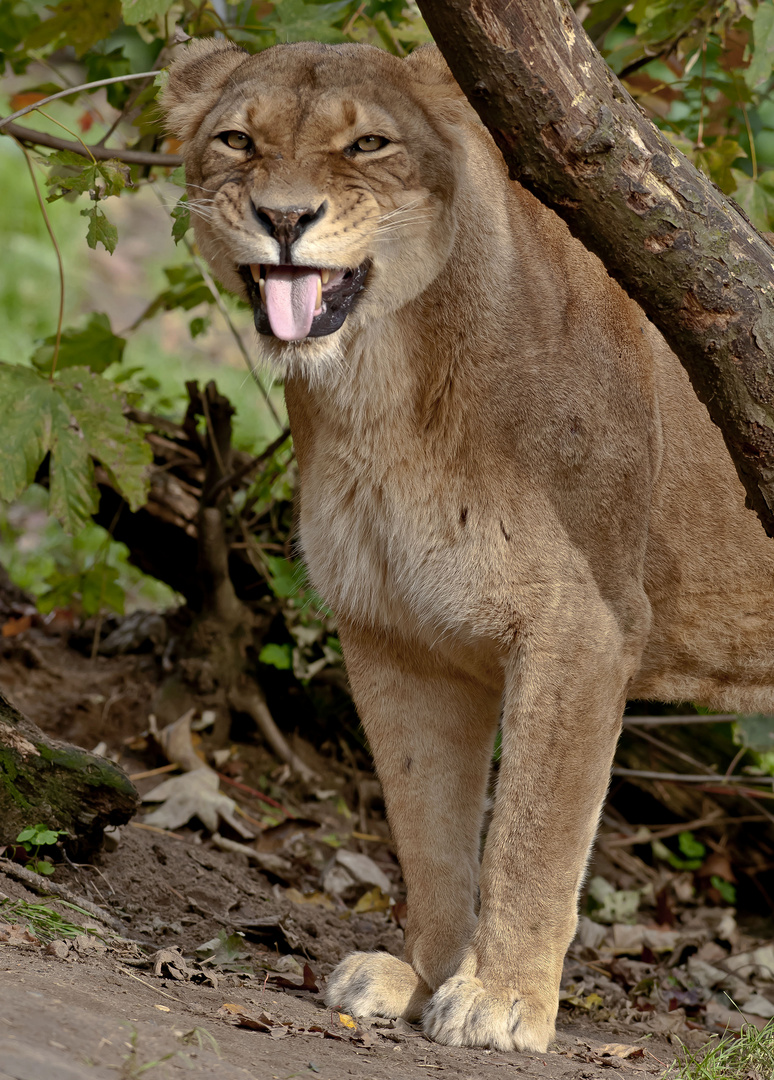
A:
{"points": [[320, 179]]}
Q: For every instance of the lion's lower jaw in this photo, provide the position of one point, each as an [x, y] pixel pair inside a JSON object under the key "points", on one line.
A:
{"points": [[318, 361]]}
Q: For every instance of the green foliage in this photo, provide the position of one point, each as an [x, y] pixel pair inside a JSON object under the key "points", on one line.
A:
{"points": [[35, 837], [43, 921], [278, 656], [703, 72], [692, 852], [100, 230], [748, 1054], [95, 347], [75, 418], [73, 572]]}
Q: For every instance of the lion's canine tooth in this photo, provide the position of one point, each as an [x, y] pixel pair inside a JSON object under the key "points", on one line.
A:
{"points": [[325, 277], [255, 270], [262, 290], [319, 292]]}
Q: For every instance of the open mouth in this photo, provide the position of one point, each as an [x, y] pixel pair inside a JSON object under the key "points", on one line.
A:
{"points": [[295, 302]]}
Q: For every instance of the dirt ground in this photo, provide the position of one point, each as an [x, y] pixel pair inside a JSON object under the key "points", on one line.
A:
{"points": [[93, 1006], [223, 955]]}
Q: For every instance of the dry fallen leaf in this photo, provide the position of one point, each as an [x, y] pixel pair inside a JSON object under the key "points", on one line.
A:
{"points": [[169, 963], [618, 1050], [194, 794], [309, 982], [15, 934]]}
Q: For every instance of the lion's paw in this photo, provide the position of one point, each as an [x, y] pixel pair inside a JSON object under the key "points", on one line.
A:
{"points": [[463, 1012], [377, 984]]}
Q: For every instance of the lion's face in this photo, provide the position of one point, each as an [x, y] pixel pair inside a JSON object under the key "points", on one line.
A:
{"points": [[319, 185]]}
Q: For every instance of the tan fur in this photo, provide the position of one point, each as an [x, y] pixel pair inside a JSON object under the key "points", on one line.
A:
{"points": [[509, 494]]}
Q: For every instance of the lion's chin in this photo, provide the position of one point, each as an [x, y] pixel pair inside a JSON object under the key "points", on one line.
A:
{"points": [[316, 360]]}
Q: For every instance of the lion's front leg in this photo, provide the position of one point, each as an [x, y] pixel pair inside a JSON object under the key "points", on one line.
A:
{"points": [[431, 729], [562, 711]]}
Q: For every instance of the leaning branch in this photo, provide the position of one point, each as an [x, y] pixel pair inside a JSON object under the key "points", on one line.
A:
{"points": [[572, 135], [101, 153]]}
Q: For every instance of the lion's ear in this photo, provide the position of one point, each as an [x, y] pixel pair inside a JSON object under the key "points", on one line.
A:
{"points": [[196, 78], [428, 68]]}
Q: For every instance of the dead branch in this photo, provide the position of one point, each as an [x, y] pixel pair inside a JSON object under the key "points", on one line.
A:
{"points": [[250, 700]]}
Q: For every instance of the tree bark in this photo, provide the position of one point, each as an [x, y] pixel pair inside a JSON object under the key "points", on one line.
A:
{"points": [[43, 781], [572, 135]]}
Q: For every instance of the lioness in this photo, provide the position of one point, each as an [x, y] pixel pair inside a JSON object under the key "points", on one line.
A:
{"points": [[509, 494]]}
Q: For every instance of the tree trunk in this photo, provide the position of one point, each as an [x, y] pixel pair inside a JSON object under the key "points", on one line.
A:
{"points": [[43, 781], [688, 255]]}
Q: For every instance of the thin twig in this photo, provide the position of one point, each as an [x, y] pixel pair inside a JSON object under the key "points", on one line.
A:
{"points": [[673, 830], [43, 211], [247, 468], [668, 721], [95, 150], [210, 283], [256, 794], [74, 134], [250, 700], [76, 90], [682, 778], [44, 888], [673, 751]]}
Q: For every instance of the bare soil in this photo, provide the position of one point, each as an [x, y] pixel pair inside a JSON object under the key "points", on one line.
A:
{"points": [[98, 1006]]}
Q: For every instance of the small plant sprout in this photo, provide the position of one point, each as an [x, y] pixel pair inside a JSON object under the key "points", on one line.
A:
{"points": [[35, 837]]}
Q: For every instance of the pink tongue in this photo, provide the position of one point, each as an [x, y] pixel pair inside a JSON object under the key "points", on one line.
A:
{"points": [[291, 300]]}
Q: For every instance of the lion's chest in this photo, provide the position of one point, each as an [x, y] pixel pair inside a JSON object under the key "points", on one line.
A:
{"points": [[388, 551], [419, 549]]}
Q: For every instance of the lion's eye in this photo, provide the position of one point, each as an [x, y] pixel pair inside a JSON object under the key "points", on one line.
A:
{"points": [[237, 140], [368, 143]]}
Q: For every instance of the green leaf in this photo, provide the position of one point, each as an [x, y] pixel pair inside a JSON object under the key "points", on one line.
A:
{"points": [[107, 65], [182, 220], [113, 440], [284, 577], [95, 347], [198, 326], [177, 176], [76, 418], [660, 21], [26, 834], [17, 20], [76, 24], [690, 846], [756, 732], [26, 421], [187, 289], [278, 656], [295, 20], [716, 161], [73, 172], [100, 230], [41, 866], [756, 197], [725, 888], [661, 851], [99, 588], [139, 11], [44, 837], [762, 49]]}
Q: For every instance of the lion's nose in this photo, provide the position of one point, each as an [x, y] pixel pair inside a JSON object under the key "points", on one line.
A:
{"points": [[285, 224]]}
